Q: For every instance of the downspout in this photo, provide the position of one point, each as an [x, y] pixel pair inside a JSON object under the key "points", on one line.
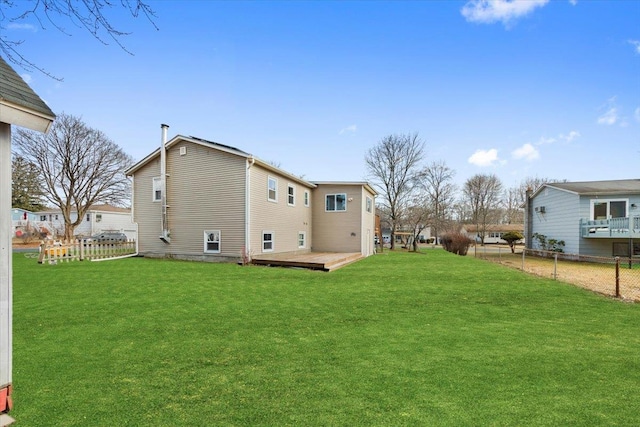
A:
{"points": [[166, 233], [528, 212], [133, 215], [247, 209]]}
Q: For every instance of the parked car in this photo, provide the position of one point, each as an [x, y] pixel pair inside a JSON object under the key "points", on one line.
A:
{"points": [[107, 237]]}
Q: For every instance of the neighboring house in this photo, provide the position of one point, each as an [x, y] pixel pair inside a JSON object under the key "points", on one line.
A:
{"points": [[23, 221], [96, 220], [493, 232], [219, 203], [598, 218]]}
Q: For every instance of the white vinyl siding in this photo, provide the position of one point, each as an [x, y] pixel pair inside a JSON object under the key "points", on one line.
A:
{"points": [[212, 241]]}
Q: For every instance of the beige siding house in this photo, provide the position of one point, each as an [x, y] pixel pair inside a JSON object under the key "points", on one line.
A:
{"points": [[219, 203]]}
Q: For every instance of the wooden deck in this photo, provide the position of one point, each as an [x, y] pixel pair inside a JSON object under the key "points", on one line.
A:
{"points": [[325, 261]]}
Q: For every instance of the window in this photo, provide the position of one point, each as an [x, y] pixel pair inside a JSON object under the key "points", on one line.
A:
{"points": [[605, 209], [302, 239], [267, 241], [43, 217], [291, 195], [157, 189], [272, 189], [336, 202], [369, 204], [56, 217], [88, 217], [212, 241], [306, 198], [98, 217]]}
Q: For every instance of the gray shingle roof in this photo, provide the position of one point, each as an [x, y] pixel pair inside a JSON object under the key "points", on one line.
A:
{"points": [[16, 91], [622, 186]]}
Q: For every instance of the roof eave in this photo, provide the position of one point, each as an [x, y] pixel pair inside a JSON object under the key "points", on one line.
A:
{"points": [[24, 117]]}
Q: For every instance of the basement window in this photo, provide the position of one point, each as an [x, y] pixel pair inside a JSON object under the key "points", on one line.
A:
{"points": [[267, 241], [212, 241]]}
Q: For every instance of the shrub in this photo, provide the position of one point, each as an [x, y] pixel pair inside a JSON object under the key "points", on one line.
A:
{"points": [[456, 243]]}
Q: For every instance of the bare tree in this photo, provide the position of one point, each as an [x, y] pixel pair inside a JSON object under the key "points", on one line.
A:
{"points": [[512, 202], [483, 193], [393, 167], [89, 15], [79, 167], [436, 179], [416, 219]]}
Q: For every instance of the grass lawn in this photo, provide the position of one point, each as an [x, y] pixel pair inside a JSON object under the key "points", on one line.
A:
{"points": [[395, 339]]}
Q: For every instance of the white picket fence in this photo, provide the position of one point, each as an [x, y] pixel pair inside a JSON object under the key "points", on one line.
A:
{"points": [[79, 250]]}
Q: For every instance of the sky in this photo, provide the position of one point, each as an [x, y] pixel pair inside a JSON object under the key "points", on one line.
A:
{"points": [[519, 89]]}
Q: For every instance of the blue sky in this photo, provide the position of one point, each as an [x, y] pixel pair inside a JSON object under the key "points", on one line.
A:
{"points": [[517, 88]]}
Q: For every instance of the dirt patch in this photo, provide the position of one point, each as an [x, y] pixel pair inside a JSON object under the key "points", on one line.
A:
{"points": [[597, 277]]}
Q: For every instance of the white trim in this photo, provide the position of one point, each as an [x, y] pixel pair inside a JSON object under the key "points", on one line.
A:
{"points": [[291, 195], [275, 198], [273, 240], [155, 184], [307, 198], [335, 196], [592, 203], [304, 239], [206, 241]]}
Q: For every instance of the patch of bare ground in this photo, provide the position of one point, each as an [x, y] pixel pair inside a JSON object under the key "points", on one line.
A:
{"points": [[597, 277]]}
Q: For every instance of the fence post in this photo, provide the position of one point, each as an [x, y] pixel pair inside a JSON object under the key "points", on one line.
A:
{"points": [[555, 266], [617, 277]]}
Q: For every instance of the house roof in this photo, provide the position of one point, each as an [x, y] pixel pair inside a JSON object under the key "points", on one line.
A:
{"points": [[595, 188], [221, 147], [361, 183], [19, 104]]}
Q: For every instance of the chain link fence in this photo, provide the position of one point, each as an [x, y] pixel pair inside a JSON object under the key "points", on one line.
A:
{"points": [[613, 276]]}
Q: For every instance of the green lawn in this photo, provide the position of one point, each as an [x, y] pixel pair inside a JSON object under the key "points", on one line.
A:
{"points": [[396, 339]]}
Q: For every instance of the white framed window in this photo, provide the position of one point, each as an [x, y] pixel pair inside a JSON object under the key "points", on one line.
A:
{"points": [[302, 239], [88, 217], [291, 195], [336, 202], [369, 204], [98, 217], [267, 241], [606, 209], [157, 189], [272, 189], [43, 217], [306, 198], [212, 241]]}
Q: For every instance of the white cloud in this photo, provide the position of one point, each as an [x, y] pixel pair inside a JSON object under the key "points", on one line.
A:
{"points": [[636, 45], [610, 117], [571, 136], [636, 114], [16, 26], [351, 129], [26, 78], [544, 140], [573, 2], [527, 152], [484, 157], [505, 11]]}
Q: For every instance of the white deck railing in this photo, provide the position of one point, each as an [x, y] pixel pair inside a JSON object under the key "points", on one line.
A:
{"points": [[611, 228]]}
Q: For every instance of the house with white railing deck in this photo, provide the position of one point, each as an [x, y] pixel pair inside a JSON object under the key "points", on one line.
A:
{"points": [[597, 218]]}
